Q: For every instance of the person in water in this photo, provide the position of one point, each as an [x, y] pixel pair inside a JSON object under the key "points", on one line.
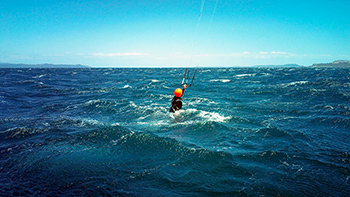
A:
{"points": [[176, 103]]}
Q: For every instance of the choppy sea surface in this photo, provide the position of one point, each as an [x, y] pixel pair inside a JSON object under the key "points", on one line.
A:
{"points": [[108, 132]]}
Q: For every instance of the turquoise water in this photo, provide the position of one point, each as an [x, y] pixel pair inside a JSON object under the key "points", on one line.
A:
{"points": [[242, 131]]}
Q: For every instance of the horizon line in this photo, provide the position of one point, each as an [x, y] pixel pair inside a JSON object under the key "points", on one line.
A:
{"points": [[63, 65]]}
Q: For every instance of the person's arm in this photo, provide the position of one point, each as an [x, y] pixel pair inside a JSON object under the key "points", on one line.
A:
{"points": [[183, 90]]}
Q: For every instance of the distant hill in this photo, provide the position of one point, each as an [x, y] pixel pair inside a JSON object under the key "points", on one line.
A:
{"points": [[277, 66], [338, 63], [9, 65]]}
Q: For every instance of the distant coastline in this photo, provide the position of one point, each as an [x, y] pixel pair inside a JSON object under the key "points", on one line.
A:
{"points": [[335, 64], [338, 64], [10, 65]]}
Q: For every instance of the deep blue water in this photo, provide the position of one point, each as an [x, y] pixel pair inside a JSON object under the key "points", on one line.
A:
{"points": [[242, 131]]}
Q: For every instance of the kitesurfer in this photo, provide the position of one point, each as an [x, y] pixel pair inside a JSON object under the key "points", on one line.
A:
{"points": [[176, 103]]}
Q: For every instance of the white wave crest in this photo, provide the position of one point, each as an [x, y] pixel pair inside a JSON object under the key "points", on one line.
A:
{"points": [[220, 80], [295, 83], [39, 76], [91, 102], [213, 116], [245, 75], [207, 116]]}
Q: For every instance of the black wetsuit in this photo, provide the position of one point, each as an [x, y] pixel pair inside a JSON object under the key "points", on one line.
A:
{"points": [[176, 104]]}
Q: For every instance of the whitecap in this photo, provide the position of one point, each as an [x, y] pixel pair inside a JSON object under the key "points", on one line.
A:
{"points": [[39, 76], [220, 80], [88, 121], [208, 116], [204, 71], [295, 83], [91, 102], [213, 116], [245, 75], [202, 100]]}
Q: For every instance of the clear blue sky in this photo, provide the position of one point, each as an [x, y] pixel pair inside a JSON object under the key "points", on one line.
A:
{"points": [[161, 33]]}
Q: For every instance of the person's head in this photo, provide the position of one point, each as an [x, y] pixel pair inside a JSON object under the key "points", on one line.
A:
{"points": [[178, 92]]}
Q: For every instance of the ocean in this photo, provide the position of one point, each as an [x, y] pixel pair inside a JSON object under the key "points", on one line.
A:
{"points": [[241, 132]]}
